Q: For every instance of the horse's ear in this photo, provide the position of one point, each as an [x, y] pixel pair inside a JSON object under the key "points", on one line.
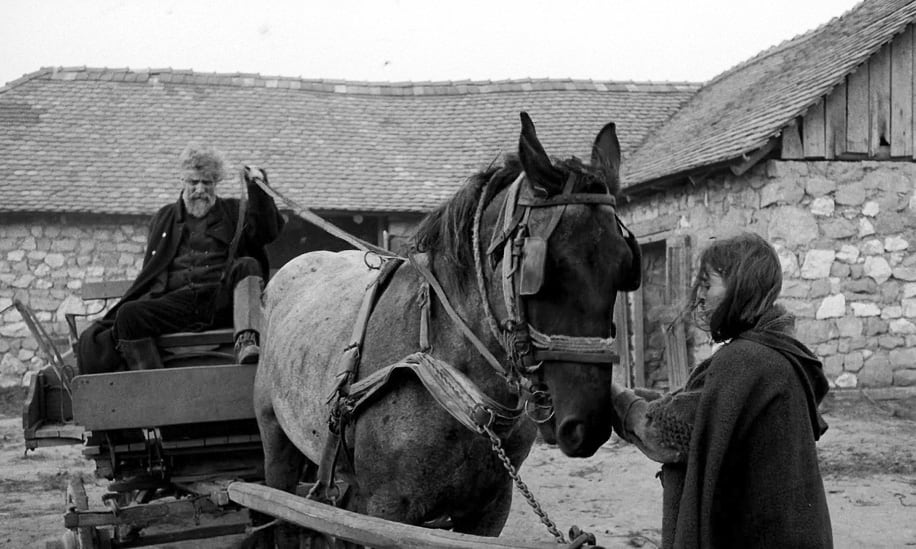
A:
{"points": [[542, 176], [606, 151]]}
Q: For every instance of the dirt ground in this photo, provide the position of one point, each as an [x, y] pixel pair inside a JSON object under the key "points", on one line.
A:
{"points": [[868, 459]]}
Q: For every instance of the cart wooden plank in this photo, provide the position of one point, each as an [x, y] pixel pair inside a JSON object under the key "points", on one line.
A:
{"points": [[362, 529], [169, 396]]}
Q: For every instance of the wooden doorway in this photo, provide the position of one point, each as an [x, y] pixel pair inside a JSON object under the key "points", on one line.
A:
{"points": [[652, 336]]}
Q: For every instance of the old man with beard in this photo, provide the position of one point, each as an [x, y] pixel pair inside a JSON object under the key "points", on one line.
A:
{"points": [[190, 276]]}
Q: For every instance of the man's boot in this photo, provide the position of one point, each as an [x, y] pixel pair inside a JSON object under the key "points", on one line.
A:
{"points": [[140, 354], [246, 306]]}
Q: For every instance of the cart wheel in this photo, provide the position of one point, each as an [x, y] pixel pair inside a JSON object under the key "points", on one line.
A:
{"points": [[85, 537]]}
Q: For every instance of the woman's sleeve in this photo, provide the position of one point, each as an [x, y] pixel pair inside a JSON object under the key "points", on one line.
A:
{"points": [[660, 428]]}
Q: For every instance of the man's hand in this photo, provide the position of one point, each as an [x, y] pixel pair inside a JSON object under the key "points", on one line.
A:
{"points": [[253, 174]]}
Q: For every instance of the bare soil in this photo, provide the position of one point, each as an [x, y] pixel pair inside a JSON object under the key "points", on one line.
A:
{"points": [[868, 459]]}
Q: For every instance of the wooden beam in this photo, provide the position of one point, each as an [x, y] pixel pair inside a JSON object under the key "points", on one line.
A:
{"points": [[857, 121], [752, 159], [879, 100], [792, 148], [362, 529], [902, 94], [813, 131], [835, 121], [168, 396], [656, 225]]}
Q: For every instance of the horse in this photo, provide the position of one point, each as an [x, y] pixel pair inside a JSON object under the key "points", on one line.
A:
{"points": [[525, 262]]}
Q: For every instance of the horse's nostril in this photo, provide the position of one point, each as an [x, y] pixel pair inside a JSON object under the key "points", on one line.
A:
{"points": [[571, 436]]}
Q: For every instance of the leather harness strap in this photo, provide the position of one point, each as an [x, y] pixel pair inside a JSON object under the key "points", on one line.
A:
{"points": [[452, 389], [419, 263]]}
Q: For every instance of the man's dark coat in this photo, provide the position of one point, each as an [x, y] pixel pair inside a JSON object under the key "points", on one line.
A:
{"points": [[96, 349]]}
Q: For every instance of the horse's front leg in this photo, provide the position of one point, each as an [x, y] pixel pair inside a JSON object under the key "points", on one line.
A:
{"points": [[283, 465], [489, 518]]}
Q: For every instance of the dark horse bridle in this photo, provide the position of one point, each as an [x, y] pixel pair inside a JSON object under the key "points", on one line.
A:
{"points": [[523, 242]]}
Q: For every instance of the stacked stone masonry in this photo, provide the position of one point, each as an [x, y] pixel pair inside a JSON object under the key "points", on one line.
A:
{"points": [[845, 233], [846, 236], [44, 261]]}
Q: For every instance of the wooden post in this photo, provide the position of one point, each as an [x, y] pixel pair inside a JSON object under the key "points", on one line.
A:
{"points": [[639, 339], [677, 275], [623, 372]]}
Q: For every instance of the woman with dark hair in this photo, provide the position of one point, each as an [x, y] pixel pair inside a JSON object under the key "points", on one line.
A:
{"points": [[737, 443]]}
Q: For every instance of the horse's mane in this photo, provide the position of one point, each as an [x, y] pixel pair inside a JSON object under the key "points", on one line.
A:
{"points": [[447, 231]]}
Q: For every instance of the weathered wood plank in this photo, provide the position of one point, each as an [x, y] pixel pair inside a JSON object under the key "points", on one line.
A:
{"points": [[362, 529], [813, 131], [660, 224], [107, 289], [639, 338], [792, 148], [879, 100], [170, 396], [677, 267], [835, 121], [902, 94], [623, 372], [857, 120]]}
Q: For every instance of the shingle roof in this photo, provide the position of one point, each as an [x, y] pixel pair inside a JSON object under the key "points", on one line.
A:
{"points": [[741, 109], [107, 140]]}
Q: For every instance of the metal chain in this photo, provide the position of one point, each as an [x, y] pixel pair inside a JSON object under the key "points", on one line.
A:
{"points": [[513, 473]]}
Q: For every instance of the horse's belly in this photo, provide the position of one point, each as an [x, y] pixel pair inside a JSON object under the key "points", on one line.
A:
{"points": [[310, 308]]}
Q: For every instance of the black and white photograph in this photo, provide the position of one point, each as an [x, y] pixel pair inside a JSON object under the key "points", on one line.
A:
{"points": [[457, 275]]}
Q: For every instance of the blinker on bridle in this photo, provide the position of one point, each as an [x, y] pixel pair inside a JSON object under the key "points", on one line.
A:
{"points": [[523, 239]]}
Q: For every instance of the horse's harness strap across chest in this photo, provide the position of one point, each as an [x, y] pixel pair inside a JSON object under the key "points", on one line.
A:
{"points": [[452, 389]]}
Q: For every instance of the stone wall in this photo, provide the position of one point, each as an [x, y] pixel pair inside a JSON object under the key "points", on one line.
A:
{"points": [[845, 233], [44, 261], [846, 236]]}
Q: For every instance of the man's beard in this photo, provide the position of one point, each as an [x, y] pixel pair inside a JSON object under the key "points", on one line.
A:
{"points": [[198, 204]]}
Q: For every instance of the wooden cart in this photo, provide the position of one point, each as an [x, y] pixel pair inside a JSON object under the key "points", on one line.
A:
{"points": [[181, 449], [169, 440]]}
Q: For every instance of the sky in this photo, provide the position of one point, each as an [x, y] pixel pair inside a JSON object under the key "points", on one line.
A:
{"points": [[406, 40]]}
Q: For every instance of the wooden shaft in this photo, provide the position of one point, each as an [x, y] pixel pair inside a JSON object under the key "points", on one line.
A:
{"points": [[362, 529]]}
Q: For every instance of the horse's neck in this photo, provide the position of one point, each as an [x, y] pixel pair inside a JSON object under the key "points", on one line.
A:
{"points": [[394, 329], [455, 347]]}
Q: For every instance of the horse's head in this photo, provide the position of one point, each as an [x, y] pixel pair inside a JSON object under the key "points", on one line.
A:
{"points": [[557, 255]]}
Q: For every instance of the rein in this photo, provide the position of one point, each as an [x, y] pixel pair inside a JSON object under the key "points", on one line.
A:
{"points": [[523, 269]]}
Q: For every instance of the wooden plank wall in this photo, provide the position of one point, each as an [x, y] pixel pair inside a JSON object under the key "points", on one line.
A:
{"points": [[870, 115]]}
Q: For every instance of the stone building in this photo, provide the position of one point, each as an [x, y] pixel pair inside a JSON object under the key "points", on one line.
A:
{"points": [[90, 154], [809, 143]]}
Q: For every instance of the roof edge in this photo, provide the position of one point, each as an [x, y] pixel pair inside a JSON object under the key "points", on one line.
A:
{"points": [[447, 87]]}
